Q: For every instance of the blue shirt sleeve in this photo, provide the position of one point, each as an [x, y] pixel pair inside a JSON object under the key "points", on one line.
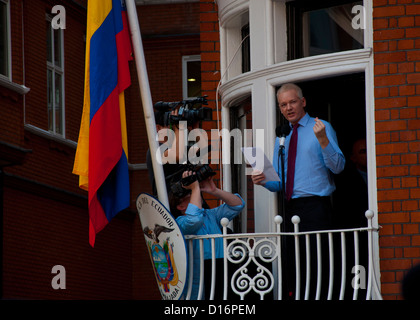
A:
{"points": [[332, 155], [226, 211], [192, 221], [194, 217], [273, 186]]}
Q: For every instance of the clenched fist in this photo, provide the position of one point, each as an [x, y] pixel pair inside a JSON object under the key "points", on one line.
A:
{"points": [[320, 133]]}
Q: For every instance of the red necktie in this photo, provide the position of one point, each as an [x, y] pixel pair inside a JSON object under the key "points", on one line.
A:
{"points": [[291, 159]]}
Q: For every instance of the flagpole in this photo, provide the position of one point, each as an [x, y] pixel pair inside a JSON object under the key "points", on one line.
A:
{"points": [[146, 97]]}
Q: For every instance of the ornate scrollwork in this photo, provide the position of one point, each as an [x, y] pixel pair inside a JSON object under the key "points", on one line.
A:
{"points": [[251, 255]]}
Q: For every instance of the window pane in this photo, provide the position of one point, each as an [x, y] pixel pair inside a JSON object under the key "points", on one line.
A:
{"points": [[58, 108], [4, 51], [49, 41], [194, 78], [246, 49], [55, 76], [58, 121], [50, 101], [330, 30], [317, 29], [57, 47]]}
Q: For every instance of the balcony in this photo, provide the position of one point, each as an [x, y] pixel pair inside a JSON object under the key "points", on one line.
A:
{"points": [[317, 265]]}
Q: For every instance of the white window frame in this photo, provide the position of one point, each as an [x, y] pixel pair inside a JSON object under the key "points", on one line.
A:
{"points": [[261, 83], [55, 69], [231, 41], [265, 80], [8, 76], [6, 79]]}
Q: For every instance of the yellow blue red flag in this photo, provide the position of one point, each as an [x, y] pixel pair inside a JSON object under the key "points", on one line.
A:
{"points": [[101, 159]]}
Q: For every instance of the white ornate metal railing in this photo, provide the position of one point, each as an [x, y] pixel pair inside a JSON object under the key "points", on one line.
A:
{"points": [[260, 265]]}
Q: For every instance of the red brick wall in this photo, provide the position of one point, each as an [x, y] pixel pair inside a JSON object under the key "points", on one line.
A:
{"points": [[42, 229], [210, 71], [11, 103], [50, 162], [35, 63], [168, 33], [210, 55], [397, 99], [44, 212]]}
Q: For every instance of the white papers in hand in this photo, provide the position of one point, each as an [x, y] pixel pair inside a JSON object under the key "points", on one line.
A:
{"points": [[259, 162]]}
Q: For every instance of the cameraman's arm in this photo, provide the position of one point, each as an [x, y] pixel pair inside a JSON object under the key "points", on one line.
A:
{"points": [[196, 195], [195, 190], [230, 199]]}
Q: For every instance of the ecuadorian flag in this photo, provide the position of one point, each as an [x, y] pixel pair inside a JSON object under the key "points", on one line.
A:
{"points": [[101, 159]]}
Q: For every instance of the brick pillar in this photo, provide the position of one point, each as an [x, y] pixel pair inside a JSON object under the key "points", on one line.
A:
{"points": [[397, 100], [210, 63]]}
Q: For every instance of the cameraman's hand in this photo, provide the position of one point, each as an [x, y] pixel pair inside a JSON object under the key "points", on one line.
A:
{"points": [[229, 198], [192, 186], [208, 185]]}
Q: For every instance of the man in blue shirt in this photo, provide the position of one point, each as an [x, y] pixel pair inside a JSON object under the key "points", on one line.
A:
{"points": [[318, 157], [196, 220]]}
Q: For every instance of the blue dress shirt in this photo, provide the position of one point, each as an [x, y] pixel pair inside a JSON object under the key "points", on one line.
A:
{"points": [[198, 221], [314, 166]]}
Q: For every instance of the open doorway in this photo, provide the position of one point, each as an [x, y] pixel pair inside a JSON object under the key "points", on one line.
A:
{"points": [[241, 118], [341, 101]]}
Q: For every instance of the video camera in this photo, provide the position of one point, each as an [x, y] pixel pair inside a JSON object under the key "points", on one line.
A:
{"points": [[202, 172], [185, 112]]}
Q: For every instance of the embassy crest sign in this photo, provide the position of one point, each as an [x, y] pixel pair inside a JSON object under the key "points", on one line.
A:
{"points": [[166, 246]]}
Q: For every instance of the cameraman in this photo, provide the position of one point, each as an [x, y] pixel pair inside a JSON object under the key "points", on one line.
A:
{"points": [[173, 122], [170, 169], [193, 219]]}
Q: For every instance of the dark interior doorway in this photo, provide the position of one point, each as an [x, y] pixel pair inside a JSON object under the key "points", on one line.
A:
{"points": [[340, 101]]}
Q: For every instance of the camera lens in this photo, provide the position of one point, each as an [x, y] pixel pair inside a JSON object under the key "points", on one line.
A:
{"points": [[178, 190], [204, 172]]}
